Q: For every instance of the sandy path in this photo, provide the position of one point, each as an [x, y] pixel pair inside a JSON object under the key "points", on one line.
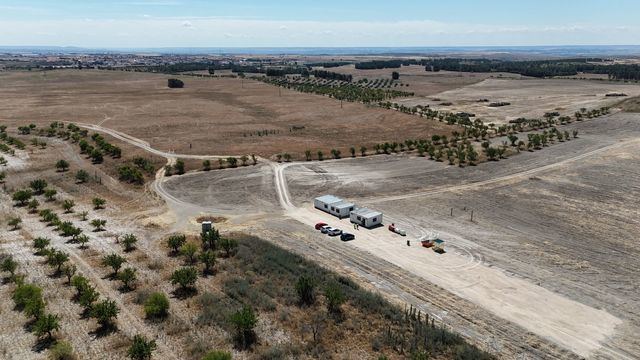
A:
{"points": [[507, 178], [571, 324]]}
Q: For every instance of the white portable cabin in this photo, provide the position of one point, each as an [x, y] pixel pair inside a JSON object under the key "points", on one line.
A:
{"points": [[366, 217], [333, 205]]}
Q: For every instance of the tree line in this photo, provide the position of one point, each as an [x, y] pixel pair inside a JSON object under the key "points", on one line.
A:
{"points": [[538, 68], [332, 75]]}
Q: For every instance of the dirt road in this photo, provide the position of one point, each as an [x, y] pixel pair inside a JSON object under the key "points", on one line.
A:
{"points": [[524, 305]]}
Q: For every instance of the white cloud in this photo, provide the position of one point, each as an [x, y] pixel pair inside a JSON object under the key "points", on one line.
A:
{"points": [[230, 32]]}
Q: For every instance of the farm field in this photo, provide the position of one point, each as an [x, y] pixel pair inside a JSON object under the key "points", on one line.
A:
{"points": [[222, 116], [529, 98], [531, 213]]}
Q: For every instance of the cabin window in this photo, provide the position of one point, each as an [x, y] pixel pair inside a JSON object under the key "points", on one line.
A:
{"points": [[333, 209], [350, 209], [325, 206], [375, 219], [359, 218]]}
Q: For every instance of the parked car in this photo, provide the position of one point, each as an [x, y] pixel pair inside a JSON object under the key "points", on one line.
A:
{"points": [[397, 230], [334, 232], [346, 236], [320, 225], [325, 228]]}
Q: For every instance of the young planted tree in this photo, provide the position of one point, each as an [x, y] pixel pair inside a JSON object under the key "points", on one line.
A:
{"points": [[206, 165], [320, 156], [69, 272], [221, 163], [82, 176], [156, 306], [175, 242], [189, 251], [335, 153], [33, 206], [14, 223], [244, 321], [46, 325], [185, 278], [40, 244], [98, 203], [141, 348], [363, 151], [244, 159], [50, 194], [128, 277], [87, 296], [114, 261], [22, 197], [68, 205], [254, 159], [105, 312], [38, 186], [98, 224], [57, 258], [210, 239], [83, 239], [62, 165], [83, 215], [129, 242], [8, 264], [307, 155], [229, 246], [208, 258]]}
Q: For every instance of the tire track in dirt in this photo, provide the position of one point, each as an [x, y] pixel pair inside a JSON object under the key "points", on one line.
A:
{"points": [[504, 179]]}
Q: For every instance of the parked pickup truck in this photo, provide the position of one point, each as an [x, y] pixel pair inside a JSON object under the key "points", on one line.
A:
{"points": [[397, 230]]}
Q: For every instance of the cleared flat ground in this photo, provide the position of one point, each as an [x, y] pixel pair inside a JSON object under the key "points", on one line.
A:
{"points": [[421, 82], [553, 248], [214, 115], [529, 97]]}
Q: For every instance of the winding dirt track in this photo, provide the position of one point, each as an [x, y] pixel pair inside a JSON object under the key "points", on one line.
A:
{"points": [[494, 333]]}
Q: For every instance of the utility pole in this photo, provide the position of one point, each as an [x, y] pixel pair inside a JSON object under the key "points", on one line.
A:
{"points": [[451, 211], [471, 215]]}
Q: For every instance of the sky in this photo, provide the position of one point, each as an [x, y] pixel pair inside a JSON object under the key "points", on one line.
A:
{"points": [[327, 23]]}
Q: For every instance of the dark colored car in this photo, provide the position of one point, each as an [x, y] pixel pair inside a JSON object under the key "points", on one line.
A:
{"points": [[347, 237]]}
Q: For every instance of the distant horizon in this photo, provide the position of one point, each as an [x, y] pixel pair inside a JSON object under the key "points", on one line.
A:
{"points": [[557, 50]]}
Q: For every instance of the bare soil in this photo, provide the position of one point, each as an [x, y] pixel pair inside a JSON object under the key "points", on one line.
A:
{"points": [[559, 222], [209, 116]]}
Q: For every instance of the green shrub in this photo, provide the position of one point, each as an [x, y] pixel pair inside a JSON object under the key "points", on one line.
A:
{"points": [[61, 350], [156, 306]]}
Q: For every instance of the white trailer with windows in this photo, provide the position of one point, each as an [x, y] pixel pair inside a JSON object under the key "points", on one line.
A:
{"points": [[333, 205], [366, 217]]}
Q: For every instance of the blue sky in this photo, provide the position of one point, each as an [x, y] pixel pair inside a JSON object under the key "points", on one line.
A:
{"points": [[191, 23]]}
